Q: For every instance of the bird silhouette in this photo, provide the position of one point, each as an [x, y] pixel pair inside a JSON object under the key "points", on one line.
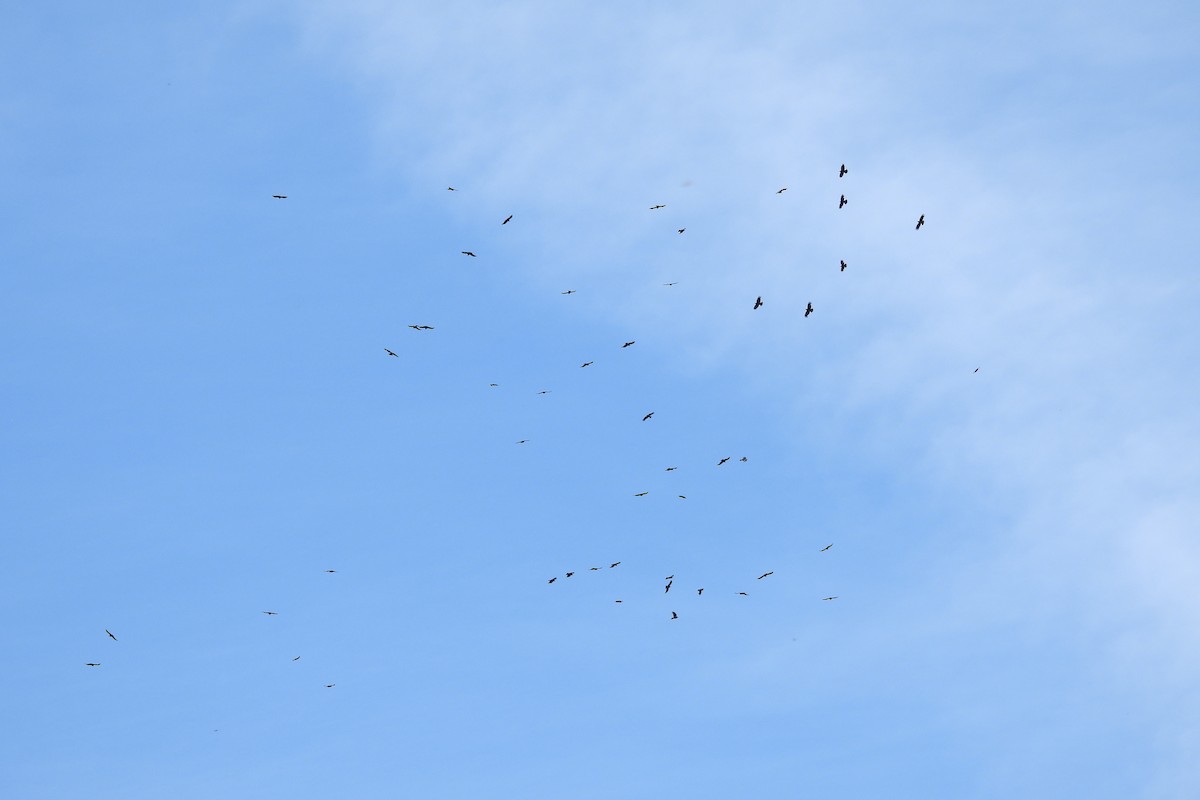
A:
{"points": [[468, 253], [544, 391], [522, 441], [681, 230], [976, 370], [723, 460], [781, 191], [279, 196], [826, 547], [699, 592], [297, 658], [271, 613], [106, 630], [808, 310], [743, 594], [330, 685], [616, 601], [920, 222], [843, 269], [586, 364], [672, 283], [627, 344], [641, 494], [743, 459], [834, 597], [506, 219], [389, 352], [450, 189], [681, 497], [595, 569], [569, 574], [92, 664], [493, 384], [330, 570], [653, 208], [614, 564], [668, 587], [758, 304], [674, 615], [765, 574], [648, 416], [552, 580], [842, 171], [842, 201], [568, 291], [671, 469]]}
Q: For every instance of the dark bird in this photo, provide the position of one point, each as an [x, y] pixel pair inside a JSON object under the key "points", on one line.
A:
{"points": [[586, 364], [976, 370], [424, 327], [743, 459], [699, 592], [330, 685], [681, 497], [506, 219], [671, 469], [568, 291], [389, 352], [594, 569], [616, 601], [91, 664], [668, 587], [842, 172], [468, 253], [493, 384], [297, 658], [106, 630], [674, 615], [826, 547], [648, 416], [654, 208], [271, 613], [330, 570], [552, 580], [681, 230], [758, 304], [808, 310], [629, 343], [449, 188], [523, 441], [641, 494], [765, 574], [279, 196], [672, 283], [569, 574], [920, 222], [415, 327], [843, 201], [614, 564], [544, 391], [781, 191], [723, 460], [669, 577], [835, 597], [743, 594], [844, 265]]}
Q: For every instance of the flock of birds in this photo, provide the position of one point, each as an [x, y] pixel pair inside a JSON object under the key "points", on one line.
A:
{"points": [[758, 303]]}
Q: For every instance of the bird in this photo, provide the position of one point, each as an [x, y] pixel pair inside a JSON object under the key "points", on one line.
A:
{"points": [[781, 191], [654, 208], [594, 569], [843, 201], [271, 613], [743, 594], [672, 283], [765, 574], [844, 265], [627, 344], [523, 441], [758, 304], [699, 591], [279, 196], [297, 658], [614, 564], [648, 416], [330, 570], [506, 219], [389, 352], [834, 597], [106, 630], [826, 547], [976, 370], [842, 171], [674, 615], [669, 577], [671, 469], [722, 461], [743, 459], [552, 580], [92, 664], [920, 222], [681, 230], [493, 385], [668, 587], [616, 601], [569, 574], [421, 327], [468, 253], [641, 494], [544, 391], [450, 189], [808, 310], [330, 685], [568, 291], [682, 497], [586, 364]]}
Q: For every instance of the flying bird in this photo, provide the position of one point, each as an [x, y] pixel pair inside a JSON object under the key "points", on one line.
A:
{"points": [[920, 222], [641, 494], [671, 469], [743, 594], [844, 265], [674, 615], [568, 291], [330, 685], [843, 201], [758, 304], [586, 364], [835, 597], [506, 219], [723, 460], [629, 343], [91, 664], [681, 230], [654, 208], [271, 613], [523, 441], [449, 188], [552, 580], [842, 172], [976, 370], [681, 497], [765, 574], [544, 391], [594, 569], [616, 601], [493, 384], [614, 564], [699, 592], [672, 283], [330, 570], [826, 547], [106, 630], [669, 577], [743, 459], [569, 574], [781, 191], [648, 416], [808, 310], [279, 196], [468, 253], [668, 587], [389, 352], [297, 658]]}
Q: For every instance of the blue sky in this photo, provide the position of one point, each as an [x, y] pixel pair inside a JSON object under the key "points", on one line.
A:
{"points": [[201, 419]]}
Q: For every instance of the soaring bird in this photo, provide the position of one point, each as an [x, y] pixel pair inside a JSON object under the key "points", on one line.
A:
{"points": [[743, 594], [106, 630], [467, 253], [91, 664], [297, 658], [629, 343], [976, 370], [681, 230], [758, 304], [523, 441], [493, 385], [279, 196], [506, 219], [672, 283], [552, 580], [450, 189], [330, 570], [765, 574], [614, 564], [668, 587], [808, 310], [569, 574], [826, 547], [681, 497], [671, 469], [843, 201], [586, 364], [389, 352], [699, 591], [743, 459], [330, 685], [568, 291], [654, 208], [844, 265], [544, 391], [781, 191], [648, 416], [920, 222], [723, 460], [271, 613], [842, 172], [641, 494], [594, 569], [835, 597], [674, 615], [669, 577]]}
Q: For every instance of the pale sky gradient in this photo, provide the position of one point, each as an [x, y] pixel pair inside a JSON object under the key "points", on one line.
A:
{"points": [[200, 417]]}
